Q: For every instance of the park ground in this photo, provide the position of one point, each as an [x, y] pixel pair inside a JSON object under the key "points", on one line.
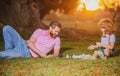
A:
{"points": [[75, 37]]}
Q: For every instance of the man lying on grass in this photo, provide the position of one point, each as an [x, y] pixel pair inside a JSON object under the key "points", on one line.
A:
{"points": [[39, 45]]}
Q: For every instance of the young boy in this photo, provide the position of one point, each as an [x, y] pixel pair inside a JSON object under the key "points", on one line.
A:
{"points": [[107, 44]]}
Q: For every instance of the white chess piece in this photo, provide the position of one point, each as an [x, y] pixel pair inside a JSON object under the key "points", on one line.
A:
{"points": [[73, 56], [67, 56]]}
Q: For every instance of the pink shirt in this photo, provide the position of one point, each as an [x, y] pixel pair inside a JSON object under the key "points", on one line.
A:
{"points": [[44, 42]]}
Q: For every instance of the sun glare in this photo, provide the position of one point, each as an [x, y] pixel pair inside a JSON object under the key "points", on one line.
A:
{"points": [[89, 5]]}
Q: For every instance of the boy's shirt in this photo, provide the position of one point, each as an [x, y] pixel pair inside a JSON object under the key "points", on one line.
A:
{"points": [[107, 39]]}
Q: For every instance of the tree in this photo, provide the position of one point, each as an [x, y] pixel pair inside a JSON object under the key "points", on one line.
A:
{"points": [[113, 7], [29, 13]]}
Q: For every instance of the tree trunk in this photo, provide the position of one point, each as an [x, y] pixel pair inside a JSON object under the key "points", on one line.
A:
{"points": [[19, 13]]}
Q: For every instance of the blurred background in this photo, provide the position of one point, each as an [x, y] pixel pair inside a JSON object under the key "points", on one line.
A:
{"points": [[78, 17]]}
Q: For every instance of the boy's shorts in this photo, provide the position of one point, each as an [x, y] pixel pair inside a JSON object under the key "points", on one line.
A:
{"points": [[113, 53]]}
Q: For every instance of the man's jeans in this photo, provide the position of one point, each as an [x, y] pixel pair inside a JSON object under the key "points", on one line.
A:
{"points": [[15, 45]]}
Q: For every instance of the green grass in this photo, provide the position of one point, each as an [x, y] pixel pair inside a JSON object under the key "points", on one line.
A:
{"points": [[59, 67], [64, 67]]}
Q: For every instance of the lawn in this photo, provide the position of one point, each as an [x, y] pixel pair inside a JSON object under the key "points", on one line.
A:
{"points": [[65, 67]]}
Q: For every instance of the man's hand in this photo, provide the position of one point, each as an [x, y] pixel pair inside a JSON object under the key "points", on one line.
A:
{"points": [[55, 54], [50, 56], [43, 55]]}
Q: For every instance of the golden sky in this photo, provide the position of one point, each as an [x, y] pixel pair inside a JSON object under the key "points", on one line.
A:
{"points": [[95, 4]]}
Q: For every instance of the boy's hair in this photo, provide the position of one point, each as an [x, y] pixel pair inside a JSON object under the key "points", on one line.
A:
{"points": [[108, 25], [55, 23]]}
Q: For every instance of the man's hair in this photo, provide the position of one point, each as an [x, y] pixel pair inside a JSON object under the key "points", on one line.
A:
{"points": [[108, 25], [55, 23]]}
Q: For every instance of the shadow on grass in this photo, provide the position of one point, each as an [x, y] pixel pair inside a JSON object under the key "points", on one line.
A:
{"points": [[118, 52], [63, 49]]}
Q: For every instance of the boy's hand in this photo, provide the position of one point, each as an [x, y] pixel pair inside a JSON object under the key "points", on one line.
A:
{"points": [[91, 47], [98, 44]]}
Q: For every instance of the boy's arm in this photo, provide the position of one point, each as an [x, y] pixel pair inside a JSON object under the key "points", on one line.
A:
{"points": [[92, 47], [110, 46]]}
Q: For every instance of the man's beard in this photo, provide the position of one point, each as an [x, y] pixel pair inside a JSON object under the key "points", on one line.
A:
{"points": [[53, 35]]}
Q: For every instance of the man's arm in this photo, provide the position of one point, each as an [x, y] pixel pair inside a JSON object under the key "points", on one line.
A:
{"points": [[55, 54], [31, 45], [56, 49]]}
